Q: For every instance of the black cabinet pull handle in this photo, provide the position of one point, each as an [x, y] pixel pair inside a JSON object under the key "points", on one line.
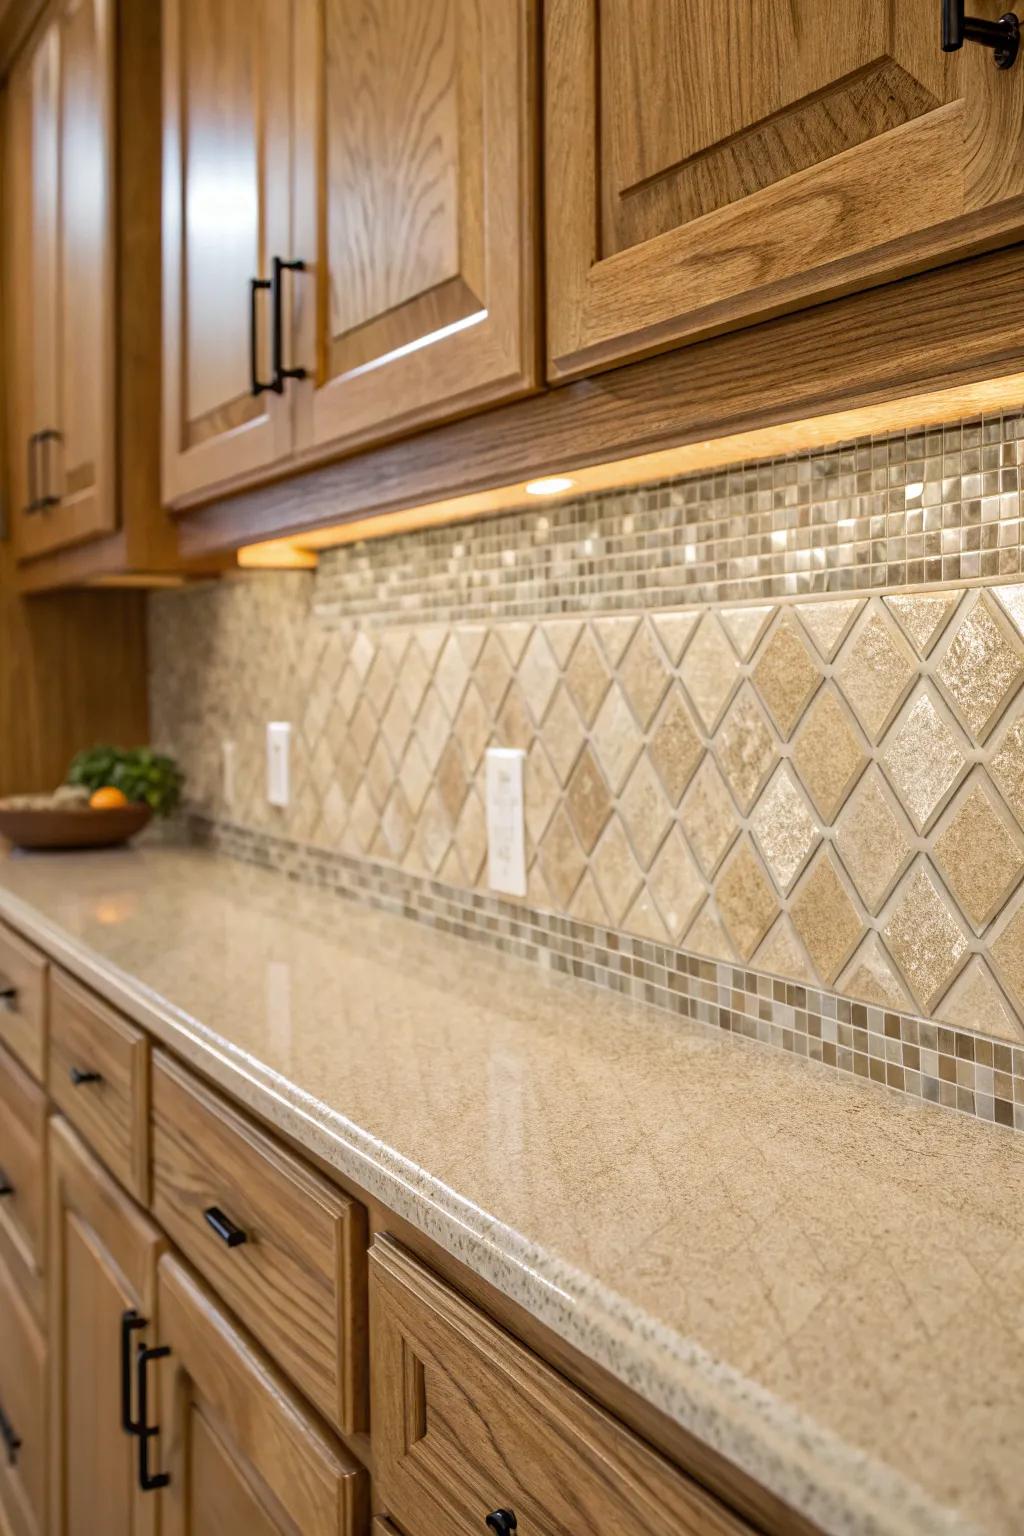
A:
{"points": [[80, 1075], [225, 1227], [258, 285], [281, 373], [33, 482], [1002, 36], [6, 1187], [9, 999], [501, 1522], [12, 1441], [130, 1322], [148, 1481]]}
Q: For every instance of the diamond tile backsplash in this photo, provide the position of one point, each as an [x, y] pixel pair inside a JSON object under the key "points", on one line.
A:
{"points": [[825, 786]]}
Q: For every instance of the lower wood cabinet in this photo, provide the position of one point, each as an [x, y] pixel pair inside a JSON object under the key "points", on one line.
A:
{"points": [[23, 1113], [23, 1492]]}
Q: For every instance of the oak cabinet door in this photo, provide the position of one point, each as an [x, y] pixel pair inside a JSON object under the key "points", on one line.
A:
{"points": [[710, 164], [414, 209], [23, 1406], [103, 1254], [226, 187]]}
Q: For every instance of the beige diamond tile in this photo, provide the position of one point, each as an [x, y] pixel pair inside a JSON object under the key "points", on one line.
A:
{"points": [[451, 871], [561, 858], [587, 676], [414, 775], [513, 727], [674, 632], [452, 780], [562, 732], [923, 756], [350, 691], [471, 638], [922, 616], [644, 919], [362, 653], [708, 815], [786, 674], [380, 773], [710, 670], [492, 673], [537, 893], [379, 682], [472, 726], [362, 730], [1007, 952], [875, 669], [541, 791], [431, 638], [872, 837], [825, 916], [586, 905], [745, 626], [616, 870], [745, 747], [923, 936], [676, 884], [349, 769], [433, 833], [782, 954], [828, 753], [1011, 600], [745, 899], [396, 725], [976, 1001], [333, 815], [432, 728], [363, 821], [828, 622], [784, 828], [675, 747], [588, 800], [470, 837], [871, 977], [514, 638], [616, 738], [413, 677], [644, 674], [645, 811], [614, 633], [538, 674], [706, 936], [977, 850], [561, 635], [396, 823], [979, 667], [1007, 766]]}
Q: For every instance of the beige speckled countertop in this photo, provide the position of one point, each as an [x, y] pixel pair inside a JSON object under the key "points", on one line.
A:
{"points": [[823, 1281]]}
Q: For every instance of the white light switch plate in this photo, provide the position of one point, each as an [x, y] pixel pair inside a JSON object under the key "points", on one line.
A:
{"points": [[279, 735], [506, 838]]}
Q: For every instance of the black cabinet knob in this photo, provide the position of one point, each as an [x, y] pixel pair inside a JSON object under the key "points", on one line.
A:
{"points": [[6, 1187], [501, 1522], [9, 999], [79, 1075], [224, 1227]]}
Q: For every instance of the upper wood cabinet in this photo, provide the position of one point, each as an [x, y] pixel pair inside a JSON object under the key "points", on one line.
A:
{"points": [[349, 247], [706, 164]]}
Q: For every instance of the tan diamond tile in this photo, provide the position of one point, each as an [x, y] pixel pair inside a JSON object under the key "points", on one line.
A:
{"points": [[785, 830], [561, 858], [586, 905], [644, 674], [1007, 766], [380, 773], [922, 616], [513, 727], [708, 815], [333, 815], [871, 977], [644, 919], [541, 792], [433, 833], [413, 677], [1011, 600], [451, 675], [825, 916], [786, 674], [980, 667], [471, 638], [674, 632], [616, 870], [783, 955], [379, 682], [350, 691], [349, 769], [614, 633], [587, 676], [431, 639], [978, 851], [396, 823], [675, 747], [362, 730], [745, 747], [561, 635], [562, 732], [709, 670], [923, 758], [875, 669], [676, 884], [363, 821], [924, 938], [396, 725], [588, 799], [451, 871], [828, 752], [745, 899], [472, 726], [872, 839], [514, 637], [976, 1001], [452, 780], [432, 728], [616, 737], [492, 673], [828, 622], [1007, 951], [414, 775], [645, 810], [471, 837], [537, 893], [538, 674], [745, 626], [707, 936], [362, 653]]}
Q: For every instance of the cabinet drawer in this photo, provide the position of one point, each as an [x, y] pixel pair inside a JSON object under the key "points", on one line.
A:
{"points": [[23, 1405], [22, 1176], [466, 1421], [97, 1073], [282, 1246], [23, 1001]]}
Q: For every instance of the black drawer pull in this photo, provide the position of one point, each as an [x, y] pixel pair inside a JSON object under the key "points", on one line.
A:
{"points": [[130, 1322], [258, 285], [6, 1187], [225, 1227], [280, 372], [148, 1481], [1002, 36], [9, 999], [12, 1442], [80, 1075], [501, 1522], [33, 475]]}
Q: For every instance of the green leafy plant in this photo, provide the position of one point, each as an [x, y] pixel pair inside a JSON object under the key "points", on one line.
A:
{"points": [[142, 775]]}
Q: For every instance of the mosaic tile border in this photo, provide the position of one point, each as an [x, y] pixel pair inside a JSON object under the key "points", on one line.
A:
{"points": [[954, 1068]]}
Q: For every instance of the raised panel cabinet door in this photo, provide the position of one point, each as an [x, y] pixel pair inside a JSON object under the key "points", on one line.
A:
{"points": [[226, 187], [23, 1410], [707, 165], [103, 1253], [414, 212]]}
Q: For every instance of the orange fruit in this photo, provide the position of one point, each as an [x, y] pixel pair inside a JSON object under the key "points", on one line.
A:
{"points": [[107, 799]]}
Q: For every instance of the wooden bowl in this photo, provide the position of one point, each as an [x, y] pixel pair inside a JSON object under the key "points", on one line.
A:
{"points": [[72, 826]]}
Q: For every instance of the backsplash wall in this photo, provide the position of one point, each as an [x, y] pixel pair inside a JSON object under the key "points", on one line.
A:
{"points": [[742, 744]]}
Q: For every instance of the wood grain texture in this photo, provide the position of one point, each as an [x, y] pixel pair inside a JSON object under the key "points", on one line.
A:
{"points": [[23, 1017], [104, 1254], [695, 187], [23, 1490], [466, 1421], [944, 328], [298, 1282], [23, 1112], [236, 1439], [112, 1114]]}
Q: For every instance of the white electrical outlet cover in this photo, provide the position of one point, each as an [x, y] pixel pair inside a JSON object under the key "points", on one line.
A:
{"points": [[278, 746], [506, 837]]}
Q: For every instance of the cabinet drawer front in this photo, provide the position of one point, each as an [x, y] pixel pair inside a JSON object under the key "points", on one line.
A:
{"points": [[466, 1422], [23, 1404], [97, 1074], [22, 1001], [282, 1246], [22, 1174]]}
